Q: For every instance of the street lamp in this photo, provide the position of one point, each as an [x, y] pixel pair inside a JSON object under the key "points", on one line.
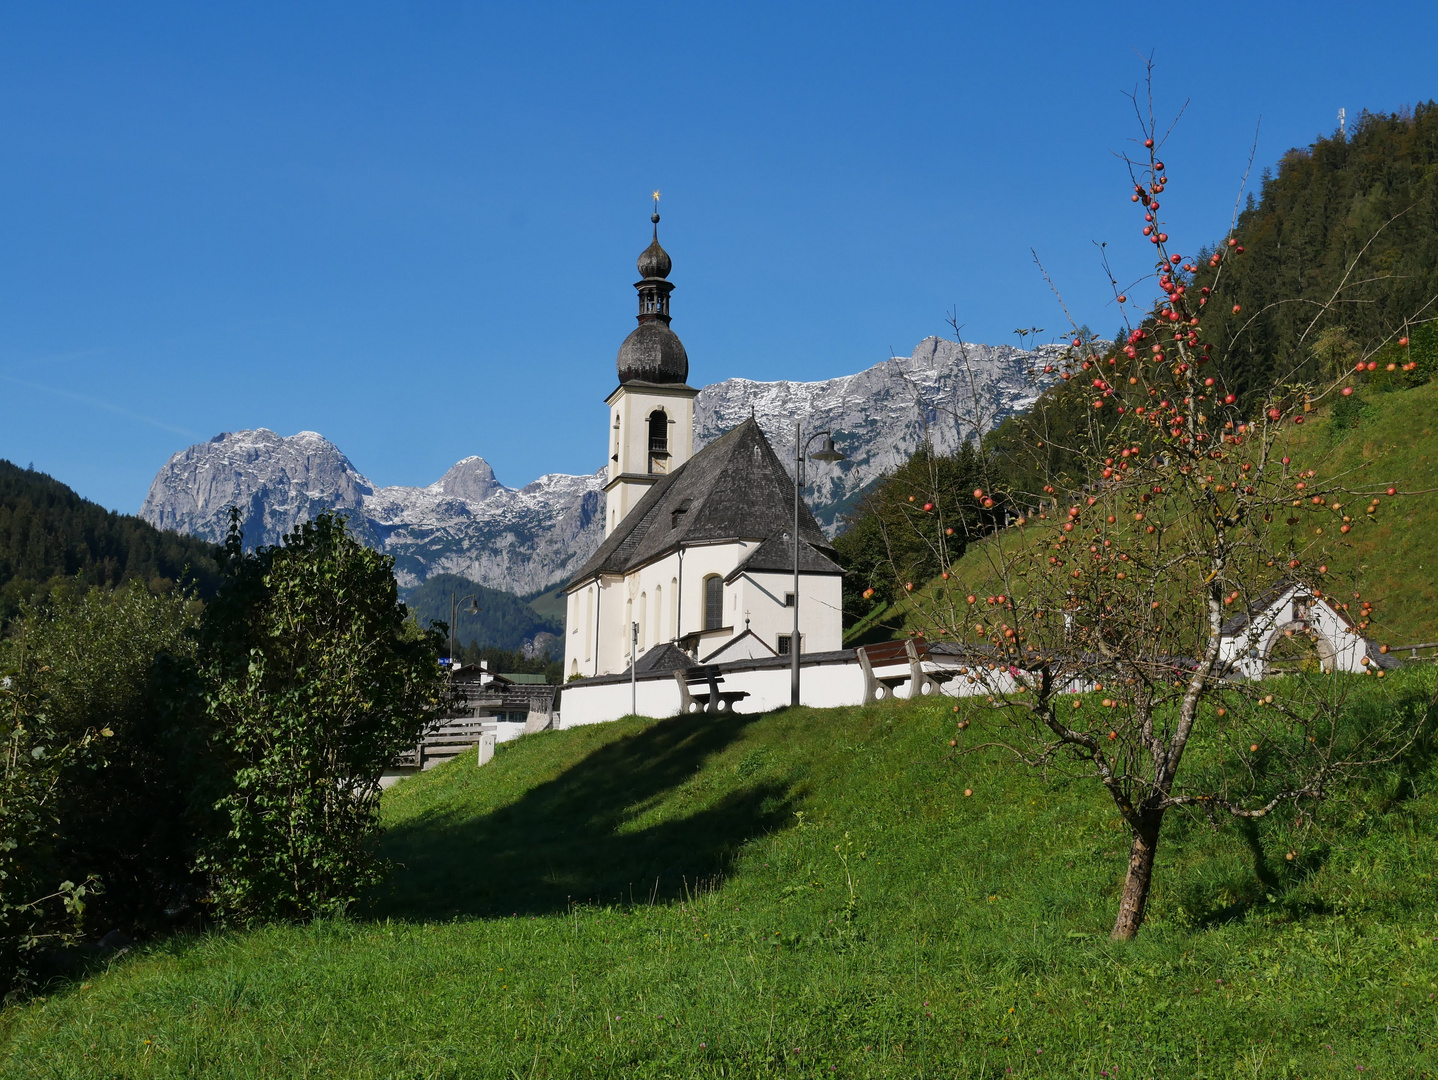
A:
{"points": [[827, 452], [454, 603]]}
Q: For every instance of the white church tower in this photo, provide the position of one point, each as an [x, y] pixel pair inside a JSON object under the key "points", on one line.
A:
{"points": [[651, 413]]}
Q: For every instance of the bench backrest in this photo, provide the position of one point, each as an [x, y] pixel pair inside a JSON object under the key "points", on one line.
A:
{"points": [[892, 652], [703, 675]]}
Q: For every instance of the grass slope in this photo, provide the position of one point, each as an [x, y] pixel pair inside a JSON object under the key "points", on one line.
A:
{"points": [[807, 893], [1394, 558]]}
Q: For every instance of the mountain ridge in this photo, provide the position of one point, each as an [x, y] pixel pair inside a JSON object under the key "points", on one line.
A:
{"points": [[526, 539]]}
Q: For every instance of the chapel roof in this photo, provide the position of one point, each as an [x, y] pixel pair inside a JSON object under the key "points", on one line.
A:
{"points": [[733, 489], [776, 555]]}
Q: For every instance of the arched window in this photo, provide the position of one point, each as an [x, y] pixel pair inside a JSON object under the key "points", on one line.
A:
{"points": [[658, 432], [713, 602], [588, 622]]}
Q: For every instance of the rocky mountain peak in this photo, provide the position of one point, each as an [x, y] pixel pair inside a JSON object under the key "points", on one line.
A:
{"points": [[276, 481], [471, 478]]}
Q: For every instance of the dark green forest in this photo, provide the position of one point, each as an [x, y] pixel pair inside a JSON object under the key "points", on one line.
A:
{"points": [[1340, 244], [50, 534], [505, 622]]}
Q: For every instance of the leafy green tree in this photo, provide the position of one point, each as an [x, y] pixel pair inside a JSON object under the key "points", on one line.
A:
{"points": [[314, 679], [120, 660], [37, 908], [97, 771]]}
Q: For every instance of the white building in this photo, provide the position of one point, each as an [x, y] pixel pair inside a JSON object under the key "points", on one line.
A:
{"points": [[698, 548], [1249, 640]]}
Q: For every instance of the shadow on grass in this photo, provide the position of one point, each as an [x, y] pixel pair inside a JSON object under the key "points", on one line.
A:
{"points": [[567, 841], [1271, 883]]}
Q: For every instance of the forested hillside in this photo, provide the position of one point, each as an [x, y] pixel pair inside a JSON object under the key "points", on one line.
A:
{"points": [[48, 532], [1335, 260], [1341, 244], [504, 620]]}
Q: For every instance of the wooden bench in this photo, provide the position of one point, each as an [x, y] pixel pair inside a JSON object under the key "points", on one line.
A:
{"points": [[890, 653], [712, 701]]}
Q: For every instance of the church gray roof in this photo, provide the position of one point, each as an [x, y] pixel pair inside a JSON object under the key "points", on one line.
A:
{"points": [[733, 489], [776, 555]]}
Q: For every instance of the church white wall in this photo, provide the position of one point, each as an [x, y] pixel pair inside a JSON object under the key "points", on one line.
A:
{"points": [[760, 596], [609, 701], [656, 594], [821, 686]]}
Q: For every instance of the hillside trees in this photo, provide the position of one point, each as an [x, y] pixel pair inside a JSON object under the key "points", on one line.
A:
{"points": [[1344, 235], [1164, 510], [504, 622], [49, 534], [911, 524], [314, 679]]}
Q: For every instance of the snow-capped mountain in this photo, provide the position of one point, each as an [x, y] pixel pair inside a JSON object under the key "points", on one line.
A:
{"points": [[945, 391], [526, 539], [465, 523]]}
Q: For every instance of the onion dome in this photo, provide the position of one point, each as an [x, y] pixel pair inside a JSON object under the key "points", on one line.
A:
{"points": [[654, 261], [653, 353]]}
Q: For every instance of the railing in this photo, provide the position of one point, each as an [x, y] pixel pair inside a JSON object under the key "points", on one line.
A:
{"points": [[659, 446], [1412, 650], [443, 741]]}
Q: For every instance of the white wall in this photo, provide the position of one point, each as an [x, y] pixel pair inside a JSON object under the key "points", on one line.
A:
{"points": [[1265, 627], [823, 686], [821, 602], [628, 435], [662, 592]]}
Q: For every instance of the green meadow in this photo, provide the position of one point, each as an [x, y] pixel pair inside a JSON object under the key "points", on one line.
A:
{"points": [[808, 893]]}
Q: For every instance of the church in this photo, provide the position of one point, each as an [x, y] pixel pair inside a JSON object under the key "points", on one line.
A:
{"points": [[698, 548]]}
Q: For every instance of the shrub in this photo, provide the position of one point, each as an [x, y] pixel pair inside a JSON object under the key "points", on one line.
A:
{"points": [[313, 682]]}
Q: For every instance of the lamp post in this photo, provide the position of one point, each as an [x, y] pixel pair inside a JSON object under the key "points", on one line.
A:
{"points": [[633, 669], [454, 603], [827, 452]]}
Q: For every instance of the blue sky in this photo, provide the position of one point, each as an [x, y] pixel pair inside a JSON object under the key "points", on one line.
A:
{"points": [[412, 227]]}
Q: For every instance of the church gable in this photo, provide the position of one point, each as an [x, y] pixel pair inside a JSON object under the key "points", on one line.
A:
{"points": [[752, 496], [735, 488]]}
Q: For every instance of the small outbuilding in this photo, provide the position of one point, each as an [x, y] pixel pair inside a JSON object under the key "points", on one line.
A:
{"points": [[1291, 628]]}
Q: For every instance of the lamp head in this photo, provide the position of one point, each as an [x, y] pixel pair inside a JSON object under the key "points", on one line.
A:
{"points": [[827, 451]]}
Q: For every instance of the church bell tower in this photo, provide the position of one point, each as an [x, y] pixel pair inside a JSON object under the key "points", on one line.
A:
{"points": [[651, 413]]}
